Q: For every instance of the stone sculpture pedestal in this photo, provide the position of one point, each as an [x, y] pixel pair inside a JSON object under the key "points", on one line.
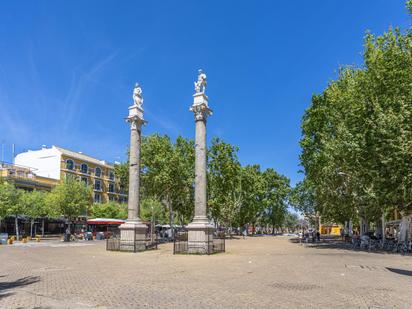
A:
{"points": [[133, 236], [200, 237]]}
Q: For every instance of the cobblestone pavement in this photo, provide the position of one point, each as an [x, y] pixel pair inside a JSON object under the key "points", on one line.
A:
{"points": [[265, 272]]}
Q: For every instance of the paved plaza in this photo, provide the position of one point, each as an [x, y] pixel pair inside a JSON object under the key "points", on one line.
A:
{"points": [[261, 272]]}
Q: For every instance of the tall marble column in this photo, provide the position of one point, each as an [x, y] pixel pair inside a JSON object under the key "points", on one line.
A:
{"points": [[200, 236], [133, 231]]}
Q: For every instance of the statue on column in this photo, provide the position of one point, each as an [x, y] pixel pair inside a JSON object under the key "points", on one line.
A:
{"points": [[137, 95], [200, 84]]}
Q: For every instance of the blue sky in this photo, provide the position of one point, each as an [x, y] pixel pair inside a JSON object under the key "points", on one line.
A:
{"points": [[67, 69]]}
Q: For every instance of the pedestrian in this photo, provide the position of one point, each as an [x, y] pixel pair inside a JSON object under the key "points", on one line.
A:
{"points": [[318, 235], [244, 233]]}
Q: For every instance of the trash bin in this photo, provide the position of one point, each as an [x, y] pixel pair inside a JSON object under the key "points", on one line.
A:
{"points": [[67, 237], [89, 236], [3, 238]]}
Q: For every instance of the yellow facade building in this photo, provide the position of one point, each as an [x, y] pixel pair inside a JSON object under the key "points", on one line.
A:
{"points": [[57, 163], [25, 178]]}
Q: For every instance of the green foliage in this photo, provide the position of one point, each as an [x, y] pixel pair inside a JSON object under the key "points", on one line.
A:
{"points": [[291, 221], [251, 193], [152, 209], [9, 200], [357, 136], [70, 198], [168, 174], [109, 210], [223, 181], [237, 195], [33, 204], [276, 194], [121, 172], [302, 198]]}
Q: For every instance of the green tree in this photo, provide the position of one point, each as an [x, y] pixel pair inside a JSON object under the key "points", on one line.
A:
{"points": [[252, 195], [223, 182], [109, 210], [121, 172], [302, 198], [9, 203], [357, 135], [34, 205], [71, 198], [168, 174], [152, 210], [276, 191], [291, 221]]}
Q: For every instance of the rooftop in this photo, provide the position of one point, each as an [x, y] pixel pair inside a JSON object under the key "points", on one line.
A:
{"points": [[82, 156]]}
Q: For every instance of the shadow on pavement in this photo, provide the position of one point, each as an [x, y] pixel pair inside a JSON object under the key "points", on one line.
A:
{"points": [[10, 285], [331, 242], [400, 271]]}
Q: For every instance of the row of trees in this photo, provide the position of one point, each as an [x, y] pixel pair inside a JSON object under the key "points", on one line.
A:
{"points": [[69, 199], [357, 136], [238, 195]]}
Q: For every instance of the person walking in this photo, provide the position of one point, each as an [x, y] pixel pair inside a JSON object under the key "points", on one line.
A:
{"points": [[244, 233]]}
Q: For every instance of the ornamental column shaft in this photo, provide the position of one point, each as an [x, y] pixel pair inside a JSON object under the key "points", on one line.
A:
{"points": [[134, 170], [200, 169]]}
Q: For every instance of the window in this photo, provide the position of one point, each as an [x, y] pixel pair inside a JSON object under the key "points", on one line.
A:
{"points": [[97, 198], [111, 187], [84, 180], [111, 175], [69, 164], [98, 172], [83, 168], [97, 185]]}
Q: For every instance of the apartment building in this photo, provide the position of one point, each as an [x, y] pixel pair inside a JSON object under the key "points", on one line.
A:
{"points": [[57, 163]]}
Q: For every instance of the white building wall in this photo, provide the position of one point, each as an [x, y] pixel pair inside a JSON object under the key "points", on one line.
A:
{"points": [[46, 161]]}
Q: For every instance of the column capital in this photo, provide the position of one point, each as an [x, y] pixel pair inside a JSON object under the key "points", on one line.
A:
{"points": [[201, 112]]}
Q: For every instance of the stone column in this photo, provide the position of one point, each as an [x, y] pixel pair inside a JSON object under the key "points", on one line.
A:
{"points": [[133, 231], [200, 236]]}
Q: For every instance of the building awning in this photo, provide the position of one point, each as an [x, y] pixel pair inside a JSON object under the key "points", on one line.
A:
{"points": [[106, 221]]}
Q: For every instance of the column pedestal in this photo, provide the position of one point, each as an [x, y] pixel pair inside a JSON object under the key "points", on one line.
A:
{"points": [[200, 236], [133, 236]]}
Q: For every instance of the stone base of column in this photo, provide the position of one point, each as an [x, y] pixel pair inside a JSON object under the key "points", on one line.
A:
{"points": [[200, 237], [133, 236]]}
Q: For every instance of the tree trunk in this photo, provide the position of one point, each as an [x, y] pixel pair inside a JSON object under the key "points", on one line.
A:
{"points": [[170, 207], [16, 223], [364, 226], [42, 227], [31, 227]]}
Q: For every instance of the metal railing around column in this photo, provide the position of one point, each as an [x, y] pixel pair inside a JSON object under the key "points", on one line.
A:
{"points": [[215, 243], [132, 244]]}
